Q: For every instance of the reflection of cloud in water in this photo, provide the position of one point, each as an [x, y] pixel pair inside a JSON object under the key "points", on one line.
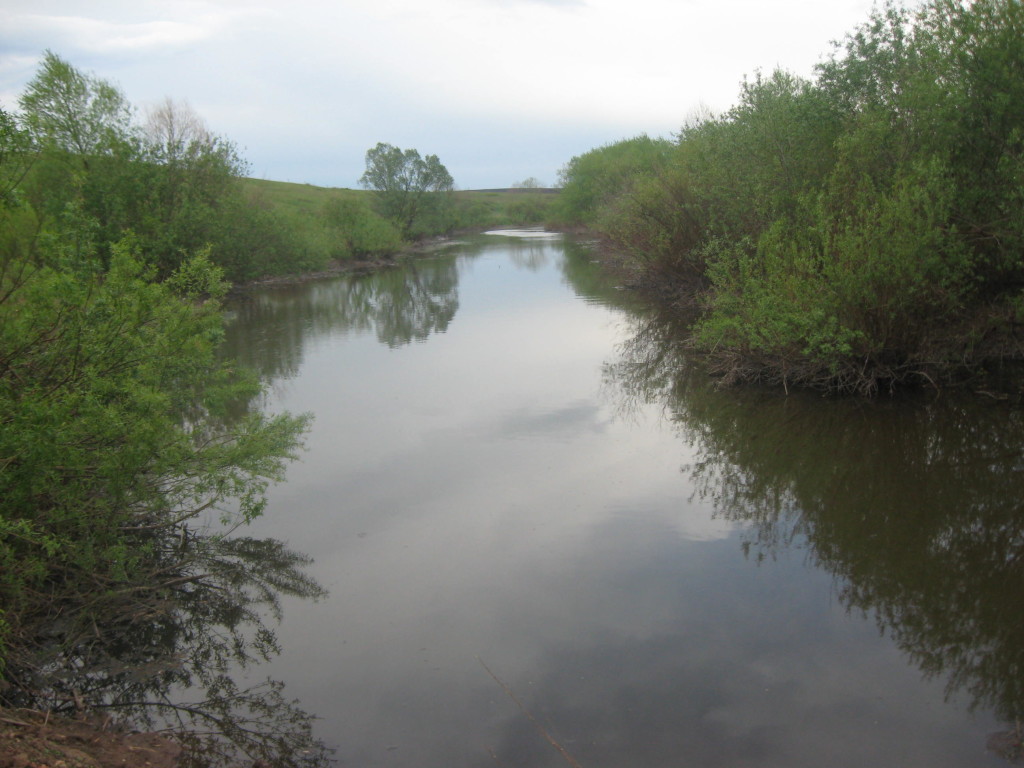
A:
{"points": [[689, 520], [564, 423], [678, 658]]}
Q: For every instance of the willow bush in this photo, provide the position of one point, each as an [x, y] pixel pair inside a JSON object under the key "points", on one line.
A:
{"points": [[127, 464], [858, 231]]}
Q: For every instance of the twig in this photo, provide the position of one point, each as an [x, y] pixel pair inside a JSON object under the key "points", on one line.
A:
{"points": [[540, 728]]}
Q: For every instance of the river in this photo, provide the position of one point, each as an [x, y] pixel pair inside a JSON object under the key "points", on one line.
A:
{"points": [[540, 523]]}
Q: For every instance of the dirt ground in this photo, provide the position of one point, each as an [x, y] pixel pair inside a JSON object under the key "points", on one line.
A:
{"points": [[33, 740]]}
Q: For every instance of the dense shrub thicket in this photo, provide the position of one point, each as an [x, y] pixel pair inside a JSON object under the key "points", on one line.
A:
{"points": [[857, 231], [95, 174], [127, 457], [594, 180], [78, 161]]}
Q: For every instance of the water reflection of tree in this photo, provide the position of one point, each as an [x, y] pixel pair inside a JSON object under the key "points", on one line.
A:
{"points": [[530, 253], [169, 654], [913, 505], [590, 279], [273, 326], [410, 305]]}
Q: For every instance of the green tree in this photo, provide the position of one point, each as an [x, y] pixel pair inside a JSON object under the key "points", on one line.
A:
{"points": [[83, 181], [411, 190], [115, 448], [860, 230], [17, 154], [172, 183], [18, 223], [78, 113], [599, 177]]}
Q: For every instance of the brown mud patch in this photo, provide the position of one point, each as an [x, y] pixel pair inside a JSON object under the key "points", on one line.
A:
{"points": [[31, 739]]}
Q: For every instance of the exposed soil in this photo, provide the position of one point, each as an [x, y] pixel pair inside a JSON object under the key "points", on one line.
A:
{"points": [[35, 740]]}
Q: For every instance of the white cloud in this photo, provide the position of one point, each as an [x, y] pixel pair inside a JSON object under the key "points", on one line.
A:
{"points": [[103, 36], [497, 84]]}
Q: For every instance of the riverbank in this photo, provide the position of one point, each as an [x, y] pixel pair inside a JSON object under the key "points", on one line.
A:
{"points": [[416, 250], [859, 232], [682, 297], [30, 739], [356, 266]]}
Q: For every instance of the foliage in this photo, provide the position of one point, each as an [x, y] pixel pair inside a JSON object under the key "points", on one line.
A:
{"points": [[125, 467], [411, 191], [531, 207], [861, 230], [598, 177], [75, 113], [493, 209], [171, 182], [358, 230], [340, 224], [17, 155], [122, 479]]}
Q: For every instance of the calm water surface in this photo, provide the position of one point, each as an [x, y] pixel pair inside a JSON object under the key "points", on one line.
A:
{"points": [[513, 463]]}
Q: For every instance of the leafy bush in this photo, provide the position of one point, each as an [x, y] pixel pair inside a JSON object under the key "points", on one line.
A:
{"points": [[121, 441], [596, 178], [357, 230], [173, 184], [864, 229], [116, 446]]}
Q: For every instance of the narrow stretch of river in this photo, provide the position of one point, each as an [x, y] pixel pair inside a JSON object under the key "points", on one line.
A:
{"points": [[512, 464]]}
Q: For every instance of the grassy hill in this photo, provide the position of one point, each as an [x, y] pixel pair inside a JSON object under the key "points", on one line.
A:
{"points": [[483, 208], [292, 198]]}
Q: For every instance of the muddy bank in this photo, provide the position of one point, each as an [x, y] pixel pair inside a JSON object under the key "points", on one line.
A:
{"points": [[31, 739]]}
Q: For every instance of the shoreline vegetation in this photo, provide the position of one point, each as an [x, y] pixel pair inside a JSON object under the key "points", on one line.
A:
{"points": [[859, 232], [472, 212]]}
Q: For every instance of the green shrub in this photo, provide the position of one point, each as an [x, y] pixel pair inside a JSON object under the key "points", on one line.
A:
{"points": [[861, 230], [596, 178], [356, 230]]}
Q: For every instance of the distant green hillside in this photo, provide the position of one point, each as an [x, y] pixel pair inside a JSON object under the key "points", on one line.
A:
{"points": [[474, 209], [298, 198]]}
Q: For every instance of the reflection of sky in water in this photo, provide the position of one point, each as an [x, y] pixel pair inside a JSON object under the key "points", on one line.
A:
{"points": [[477, 496], [528, 234]]}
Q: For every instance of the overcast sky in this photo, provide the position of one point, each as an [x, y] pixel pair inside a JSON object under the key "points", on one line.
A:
{"points": [[500, 90]]}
